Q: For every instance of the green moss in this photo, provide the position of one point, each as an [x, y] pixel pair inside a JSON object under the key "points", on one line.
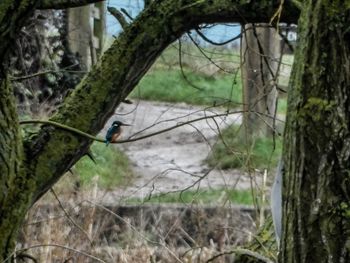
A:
{"points": [[60, 143], [316, 109], [4, 6], [16, 186], [345, 209]]}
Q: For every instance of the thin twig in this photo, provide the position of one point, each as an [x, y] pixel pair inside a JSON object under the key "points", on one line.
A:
{"points": [[206, 56], [126, 13], [277, 14], [64, 127], [134, 229], [79, 132], [68, 215], [182, 70], [14, 78], [25, 255], [242, 251], [84, 134], [54, 245], [217, 43]]}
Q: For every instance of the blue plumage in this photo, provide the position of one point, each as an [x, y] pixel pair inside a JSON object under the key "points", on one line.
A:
{"points": [[114, 131]]}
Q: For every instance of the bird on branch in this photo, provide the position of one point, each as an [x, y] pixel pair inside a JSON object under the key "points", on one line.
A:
{"points": [[114, 132]]}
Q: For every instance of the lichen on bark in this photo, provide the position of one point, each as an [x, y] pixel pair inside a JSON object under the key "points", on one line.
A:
{"points": [[317, 138], [15, 187]]}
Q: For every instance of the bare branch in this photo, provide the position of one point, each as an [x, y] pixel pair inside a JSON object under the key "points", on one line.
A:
{"points": [[58, 246], [207, 57], [25, 255], [119, 16], [69, 216], [89, 136], [182, 69], [63, 4], [126, 13], [242, 251], [40, 73], [217, 43], [135, 230]]}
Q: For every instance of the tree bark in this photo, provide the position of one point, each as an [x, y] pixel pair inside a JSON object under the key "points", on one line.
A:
{"points": [[15, 188], [13, 15], [316, 181], [63, 4]]}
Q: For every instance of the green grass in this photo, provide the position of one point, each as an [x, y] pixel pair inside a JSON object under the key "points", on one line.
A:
{"points": [[112, 167], [202, 196], [170, 86], [262, 153], [282, 105], [193, 58]]}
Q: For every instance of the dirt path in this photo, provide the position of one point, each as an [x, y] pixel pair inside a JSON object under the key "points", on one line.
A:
{"points": [[174, 160]]}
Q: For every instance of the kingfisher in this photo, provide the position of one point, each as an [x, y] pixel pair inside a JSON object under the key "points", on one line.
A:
{"points": [[114, 132]]}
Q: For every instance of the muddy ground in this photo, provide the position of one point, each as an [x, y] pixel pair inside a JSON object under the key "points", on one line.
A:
{"points": [[174, 160]]}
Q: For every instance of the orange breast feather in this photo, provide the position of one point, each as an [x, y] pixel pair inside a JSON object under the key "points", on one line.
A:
{"points": [[115, 137]]}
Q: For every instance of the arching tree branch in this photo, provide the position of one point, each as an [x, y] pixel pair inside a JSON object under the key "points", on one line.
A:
{"points": [[63, 4], [119, 16]]}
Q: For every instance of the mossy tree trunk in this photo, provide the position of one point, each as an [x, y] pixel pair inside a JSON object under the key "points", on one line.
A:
{"points": [[16, 189], [316, 189], [29, 166]]}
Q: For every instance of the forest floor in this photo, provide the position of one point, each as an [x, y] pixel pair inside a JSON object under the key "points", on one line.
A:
{"points": [[174, 160]]}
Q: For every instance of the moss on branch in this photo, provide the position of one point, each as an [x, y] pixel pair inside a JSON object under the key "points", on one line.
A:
{"points": [[63, 4]]}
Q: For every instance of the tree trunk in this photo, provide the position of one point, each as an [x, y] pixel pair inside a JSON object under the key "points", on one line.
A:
{"points": [[316, 189], [15, 193], [15, 188], [260, 53]]}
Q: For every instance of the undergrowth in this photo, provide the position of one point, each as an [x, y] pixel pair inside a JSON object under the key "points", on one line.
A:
{"points": [[112, 167], [232, 151], [170, 86], [202, 196]]}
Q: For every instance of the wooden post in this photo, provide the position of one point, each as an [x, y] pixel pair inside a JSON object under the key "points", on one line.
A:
{"points": [[260, 53], [86, 29]]}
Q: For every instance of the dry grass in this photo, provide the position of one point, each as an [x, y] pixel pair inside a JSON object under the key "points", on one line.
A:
{"points": [[78, 226]]}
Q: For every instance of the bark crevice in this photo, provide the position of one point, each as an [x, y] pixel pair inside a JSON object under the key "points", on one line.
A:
{"points": [[316, 140]]}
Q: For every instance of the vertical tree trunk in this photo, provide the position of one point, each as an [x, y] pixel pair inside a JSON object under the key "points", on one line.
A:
{"points": [[260, 52], [316, 189], [15, 188], [14, 193]]}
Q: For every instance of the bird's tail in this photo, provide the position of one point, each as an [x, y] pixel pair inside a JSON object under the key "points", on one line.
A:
{"points": [[107, 142]]}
